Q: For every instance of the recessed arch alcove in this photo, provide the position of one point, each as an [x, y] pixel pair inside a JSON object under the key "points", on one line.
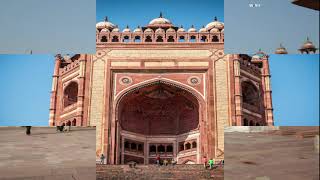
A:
{"points": [[159, 109], [158, 115]]}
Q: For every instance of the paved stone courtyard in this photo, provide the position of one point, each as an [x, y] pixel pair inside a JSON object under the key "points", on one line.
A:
{"points": [[269, 156], [46, 154]]}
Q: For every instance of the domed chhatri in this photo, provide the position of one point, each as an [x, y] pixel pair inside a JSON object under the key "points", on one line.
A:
{"points": [[160, 22], [215, 24], [192, 29], [181, 29], [105, 24], [138, 30], [308, 47], [260, 55], [126, 30], [160, 30], [281, 50]]}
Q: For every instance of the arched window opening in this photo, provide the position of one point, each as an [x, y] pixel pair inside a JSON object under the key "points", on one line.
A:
{"points": [[137, 39], [74, 122], [182, 39], [169, 148], [63, 124], [188, 146], [148, 39], [170, 39], [115, 39], [70, 94], [126, 145], [140, 147], [161, 149], [194, 144], [69, 123], [152, 149], [192, 39], [257, 124], [126, 39], [203, 38], [215, 39], [159, 39], [251, 123], [245, 122], [181, 147], [133, 146], [104, 39], [250, 94]]}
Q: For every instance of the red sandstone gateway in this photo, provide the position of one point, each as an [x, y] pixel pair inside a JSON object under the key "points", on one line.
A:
{"points": [[161, 90]]}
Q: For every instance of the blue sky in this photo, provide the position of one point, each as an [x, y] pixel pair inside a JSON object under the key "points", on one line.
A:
{"points": [[141, 12], [295, 89], [47, 26], [274, 22], [25, 89]]}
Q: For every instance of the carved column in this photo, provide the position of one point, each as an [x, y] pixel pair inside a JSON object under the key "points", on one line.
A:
{"points": [[237, 93], [53, 100], [267, 93]]}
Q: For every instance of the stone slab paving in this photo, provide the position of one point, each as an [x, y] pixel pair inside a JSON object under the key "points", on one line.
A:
{"points": [[269, 157], [47, 154]]}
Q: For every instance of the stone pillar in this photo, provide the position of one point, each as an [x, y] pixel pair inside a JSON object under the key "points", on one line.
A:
{"points": [[237, 94], [146, 152], [53, 100], [80, 101], [267, 93]]}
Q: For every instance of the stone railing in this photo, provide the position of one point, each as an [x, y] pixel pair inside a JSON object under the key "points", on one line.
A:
{"points": [[153, 37]]}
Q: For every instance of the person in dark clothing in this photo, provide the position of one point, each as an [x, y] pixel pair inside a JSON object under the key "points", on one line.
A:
{"points": [[28, 130]]}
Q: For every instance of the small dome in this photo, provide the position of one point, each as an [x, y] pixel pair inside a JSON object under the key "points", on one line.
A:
{"points": [[308, 45], [138, 30], [148, 30], [260, 54], [215, 24], [214, 30], [192, 29], [159, 30], [105, 30], [170, 30], [127, 29], [281, 50], [116, 29], [181, 29], [203, 29], [160, 21], [105, 24]]}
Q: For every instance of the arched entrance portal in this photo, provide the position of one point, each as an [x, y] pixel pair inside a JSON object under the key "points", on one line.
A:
{"points": [[158, 119]]}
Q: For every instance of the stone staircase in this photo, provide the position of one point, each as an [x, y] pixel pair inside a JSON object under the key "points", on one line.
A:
{"points": [[150, 172]]}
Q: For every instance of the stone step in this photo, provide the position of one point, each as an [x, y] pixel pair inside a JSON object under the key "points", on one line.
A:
{"points": [[155, 172]]}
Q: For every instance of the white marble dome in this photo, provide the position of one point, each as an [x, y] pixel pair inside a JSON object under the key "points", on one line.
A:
{"points": [[159, 30], [138, 30], [171, 30], [192, 29], [148, 30], [214, 30], [203, 29], [105, 24], [181, 29], [127, 29], [215, 24]]}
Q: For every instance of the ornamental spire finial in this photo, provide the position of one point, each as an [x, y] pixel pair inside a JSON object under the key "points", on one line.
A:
{"points": [[215, 18], [106, 19], [160, 14]]}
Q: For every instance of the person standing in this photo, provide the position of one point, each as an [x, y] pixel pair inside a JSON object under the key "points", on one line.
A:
{"points": [[28, 130], [205, 162], [102, 157], [158, 159], [211, 163]]}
